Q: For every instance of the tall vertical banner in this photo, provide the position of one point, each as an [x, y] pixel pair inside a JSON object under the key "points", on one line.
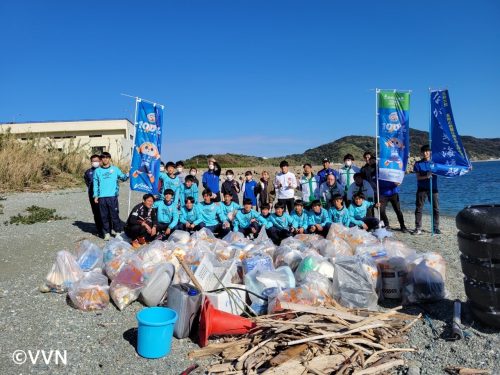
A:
{"points": [[145, 167], [448, 154], [394, 134]]}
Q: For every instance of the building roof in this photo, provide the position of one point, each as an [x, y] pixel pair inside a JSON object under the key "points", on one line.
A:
{"points": [[57, 121]]}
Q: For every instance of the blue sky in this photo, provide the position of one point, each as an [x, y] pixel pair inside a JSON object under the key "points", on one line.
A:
{"points": [[257, 77]]}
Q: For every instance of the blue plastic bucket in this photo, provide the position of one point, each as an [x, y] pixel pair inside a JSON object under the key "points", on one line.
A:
{"points": [[155, 331]]}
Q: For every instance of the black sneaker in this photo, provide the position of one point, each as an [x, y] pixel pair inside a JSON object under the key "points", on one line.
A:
{"points": [[404, 230], [437, 231]]}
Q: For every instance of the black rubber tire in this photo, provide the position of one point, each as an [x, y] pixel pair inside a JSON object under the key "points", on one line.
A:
{"points": [[485, 272], [472, 246], [487, 317], [484, 296], [479, 219]]}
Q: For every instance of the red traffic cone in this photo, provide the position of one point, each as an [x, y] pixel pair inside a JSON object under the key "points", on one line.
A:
{"points": [[217, 322]]}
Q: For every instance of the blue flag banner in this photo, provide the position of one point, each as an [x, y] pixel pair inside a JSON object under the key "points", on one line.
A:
{"points": [[394, 134], [145, 167], [448, 154]]}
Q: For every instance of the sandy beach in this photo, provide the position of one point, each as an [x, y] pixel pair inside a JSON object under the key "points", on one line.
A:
{"points": [[103, 342]]}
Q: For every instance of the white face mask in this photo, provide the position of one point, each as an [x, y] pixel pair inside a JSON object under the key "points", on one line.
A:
{"points": [[348, 163], [192, 173], [211, 167], [162, 169], [179, 169], [95, 164], [230, 177]]}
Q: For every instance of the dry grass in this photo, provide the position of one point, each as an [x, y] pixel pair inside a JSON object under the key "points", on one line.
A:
{"points": [[36, 165]]}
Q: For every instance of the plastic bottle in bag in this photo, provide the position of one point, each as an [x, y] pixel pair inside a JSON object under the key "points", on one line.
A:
{"points": [[89, 256]]}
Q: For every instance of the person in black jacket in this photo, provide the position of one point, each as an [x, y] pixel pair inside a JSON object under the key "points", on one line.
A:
{"points": [[231, 186], [89, 181], [142, 222]]}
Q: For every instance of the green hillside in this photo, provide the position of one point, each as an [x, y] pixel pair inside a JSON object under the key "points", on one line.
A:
{"points": [[477, 149]]}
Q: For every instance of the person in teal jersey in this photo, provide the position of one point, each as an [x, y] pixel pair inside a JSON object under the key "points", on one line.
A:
{"points": [[338, 212], [319, 220], [212, 216], [358, 210], [166, 214], [171, 181], [247, 220], [190, 218], [106, 188], [281, 224], [265, 212], [188, 189], [300, 218], [229, 207]]}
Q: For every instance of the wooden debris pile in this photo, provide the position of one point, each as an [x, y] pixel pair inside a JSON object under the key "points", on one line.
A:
{"points": [[315, 340]]}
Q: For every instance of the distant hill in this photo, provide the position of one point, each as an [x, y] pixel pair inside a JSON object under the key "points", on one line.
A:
{"points": [[477, 149]]}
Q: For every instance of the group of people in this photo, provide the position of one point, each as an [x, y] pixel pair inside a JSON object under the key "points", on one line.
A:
{"points": [[346, 196]]}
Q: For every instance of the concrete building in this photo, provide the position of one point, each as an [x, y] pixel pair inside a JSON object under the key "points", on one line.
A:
{"points": [[115, 136]]}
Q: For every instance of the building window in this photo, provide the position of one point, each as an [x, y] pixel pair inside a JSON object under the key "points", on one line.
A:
{"points": [[98, 150], [95, 136]]}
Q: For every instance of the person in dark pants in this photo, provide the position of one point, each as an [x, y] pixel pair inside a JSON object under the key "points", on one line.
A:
{"points": [[248, 221], [211, 179], [285, 183], [389, 192], [106, 179], [89, 181], [141, 226], [357, 213], [281, 224], [424, 174]]}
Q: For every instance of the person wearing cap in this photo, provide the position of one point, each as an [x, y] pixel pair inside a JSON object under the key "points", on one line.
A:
{"points": [[322, 174], [423, 170], [211, 179], [171, 181], [309, 186], [285, 183], [106, 190], [346, 173]]}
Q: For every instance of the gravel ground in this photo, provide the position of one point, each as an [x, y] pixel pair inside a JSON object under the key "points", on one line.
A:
{"points": [[103, 342]]}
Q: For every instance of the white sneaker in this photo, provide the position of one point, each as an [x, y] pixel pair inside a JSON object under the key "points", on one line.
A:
{"points": [[107, 237], [417, 231], [113, 233]]}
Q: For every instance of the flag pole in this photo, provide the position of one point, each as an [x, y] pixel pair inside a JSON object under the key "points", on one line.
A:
{"points": [[137, 99], [430, 146], [376, 149]]}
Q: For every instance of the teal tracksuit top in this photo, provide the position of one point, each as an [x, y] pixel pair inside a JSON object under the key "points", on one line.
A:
{"points": [[322, 218], [340, 216], [106, 181], [301, 221], [191, 216], [185, 192], [243, 219], [358, 213], [281, 222], [210, 212], [167, 213]]}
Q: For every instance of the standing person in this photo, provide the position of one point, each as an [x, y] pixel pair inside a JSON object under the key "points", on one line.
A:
{"points": [[211, 179], [389, 192], [346, 173], [424, 174], [309, 185], [322, 174], [231, 186], [161, 177], [106, 189], [171, 181], [265, 190], [179, 171], [286, 183], [141, 223], [369, 170], [95, 163], [249, 189], [193, 172], [328, 189]]}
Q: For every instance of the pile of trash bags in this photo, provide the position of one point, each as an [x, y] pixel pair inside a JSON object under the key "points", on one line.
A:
{"points": [[350, 266]]}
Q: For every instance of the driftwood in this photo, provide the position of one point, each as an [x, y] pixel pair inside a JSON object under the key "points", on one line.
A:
{"points": [[315, 340], [465, 371]]}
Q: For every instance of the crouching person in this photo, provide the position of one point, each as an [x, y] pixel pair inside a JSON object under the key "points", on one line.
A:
{"points": [[212, 215], [190, 218], [358, 210], [300, 218], [167, 214], [319, 220], [141, 223], [247, 220], [338, 212], [281, 224]]}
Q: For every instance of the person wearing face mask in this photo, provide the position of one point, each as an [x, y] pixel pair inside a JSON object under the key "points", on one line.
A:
{"points": [[346, 173], [193, 172], [161, 178], [211, 179], [179, 167], [231, 186], [95, 162]]}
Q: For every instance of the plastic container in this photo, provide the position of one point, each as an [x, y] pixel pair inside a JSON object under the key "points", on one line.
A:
{"points": [[155, 331]]}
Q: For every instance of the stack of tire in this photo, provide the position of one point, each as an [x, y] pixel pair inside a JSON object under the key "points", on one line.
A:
{"points": [[479, 243]]}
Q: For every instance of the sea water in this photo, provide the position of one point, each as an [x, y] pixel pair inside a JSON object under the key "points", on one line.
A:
{"points": [[479, 186]]}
